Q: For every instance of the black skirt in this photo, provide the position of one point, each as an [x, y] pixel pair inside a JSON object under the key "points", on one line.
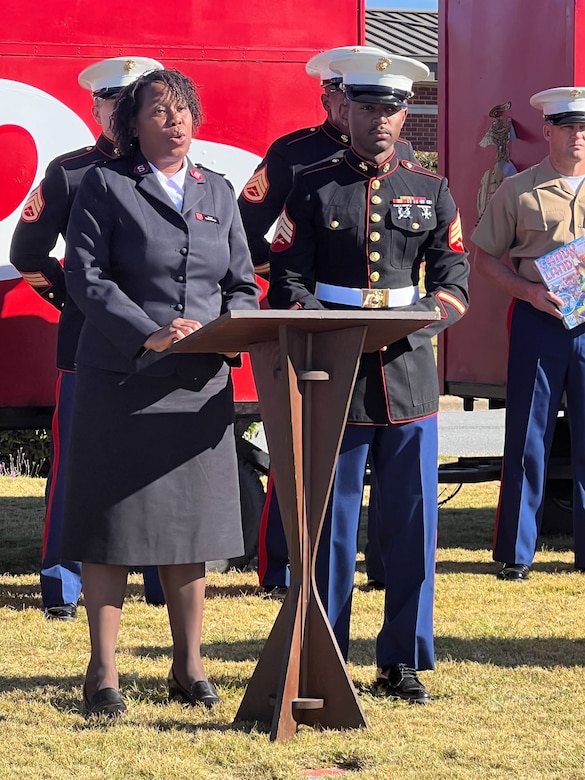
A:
{"points": [[152, 474]]}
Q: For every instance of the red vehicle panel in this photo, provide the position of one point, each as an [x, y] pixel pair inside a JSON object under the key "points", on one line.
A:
{"points": [[253, 89], [491, 54]]}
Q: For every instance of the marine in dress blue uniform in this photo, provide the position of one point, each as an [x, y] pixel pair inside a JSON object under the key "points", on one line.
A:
{"points": [[261, 202], [44, 218], [533, 213], [353, 233]]}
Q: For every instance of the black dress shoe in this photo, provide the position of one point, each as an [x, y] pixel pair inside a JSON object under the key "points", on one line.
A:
{"points": [[375, 585], [106, 701], [276, 592], [401, 682], [201, 692], [514, 572], [61, 612]]}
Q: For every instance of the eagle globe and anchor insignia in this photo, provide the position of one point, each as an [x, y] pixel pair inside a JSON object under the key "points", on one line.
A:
{"points": [[374, 299]]}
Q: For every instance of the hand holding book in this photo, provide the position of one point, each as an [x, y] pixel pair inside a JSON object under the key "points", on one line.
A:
{"points": [[563, 273]]}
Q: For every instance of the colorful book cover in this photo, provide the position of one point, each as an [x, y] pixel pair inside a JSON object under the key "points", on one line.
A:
{"points": [[563, 272]]}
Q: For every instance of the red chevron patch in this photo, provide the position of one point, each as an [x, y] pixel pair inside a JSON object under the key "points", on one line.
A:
{"points": [[456, 235], [33, 208], [284, 235], [256, 187]]}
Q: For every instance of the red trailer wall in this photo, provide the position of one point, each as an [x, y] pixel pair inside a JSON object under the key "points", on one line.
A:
{"points": [[248, 60], [490, 53]]}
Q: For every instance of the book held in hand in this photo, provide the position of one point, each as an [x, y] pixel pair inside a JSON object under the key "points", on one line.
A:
{"points": [[563, 272]]}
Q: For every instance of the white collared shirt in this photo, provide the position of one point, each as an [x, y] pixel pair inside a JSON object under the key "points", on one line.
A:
{"points": [[173, 185]]}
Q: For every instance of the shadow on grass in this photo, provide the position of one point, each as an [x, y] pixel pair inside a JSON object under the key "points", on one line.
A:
{"points": [[21, 533], [473, 529], [511, 653], [136, 591], [21, 536], [491, 568], [233, 652], [16, 596], [20, 596], [65, 695], [497, 651]]}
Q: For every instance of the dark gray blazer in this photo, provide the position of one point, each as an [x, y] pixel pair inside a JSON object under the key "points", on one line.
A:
{"points": [[134, 263]]}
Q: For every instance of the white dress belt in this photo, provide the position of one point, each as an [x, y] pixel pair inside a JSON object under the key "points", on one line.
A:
{"points": [[369, 298]]}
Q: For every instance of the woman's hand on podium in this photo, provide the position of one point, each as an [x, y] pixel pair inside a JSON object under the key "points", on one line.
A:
{"points": [[175, 331]]}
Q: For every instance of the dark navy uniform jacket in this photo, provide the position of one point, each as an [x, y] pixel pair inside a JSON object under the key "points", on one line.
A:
{"points": [[263, 197], [353, 224], [134, 263], [43, 220]]}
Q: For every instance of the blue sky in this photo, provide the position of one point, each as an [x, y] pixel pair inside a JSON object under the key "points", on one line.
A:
{"points": [[418, 5]]}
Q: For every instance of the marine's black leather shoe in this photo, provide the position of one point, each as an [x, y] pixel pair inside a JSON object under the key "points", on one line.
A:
{"points": [[401, 682], [201, 692], [375, 585], [276, 592], [106, 701], [514, 572], [61, 612]]}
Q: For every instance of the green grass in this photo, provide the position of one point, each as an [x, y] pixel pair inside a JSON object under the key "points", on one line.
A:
{"points": [[509, 687]]}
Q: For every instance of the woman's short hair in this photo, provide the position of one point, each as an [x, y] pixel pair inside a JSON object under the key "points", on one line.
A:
{"points": [[128, 103]]}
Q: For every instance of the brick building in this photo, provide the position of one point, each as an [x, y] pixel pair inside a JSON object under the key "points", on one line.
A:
{"points": [[411, 34]]}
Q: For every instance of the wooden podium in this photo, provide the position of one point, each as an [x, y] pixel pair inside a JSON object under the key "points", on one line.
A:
{"points": [[305, 365]]}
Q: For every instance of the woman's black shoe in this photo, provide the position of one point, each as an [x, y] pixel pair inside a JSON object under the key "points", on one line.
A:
{"points": [[202, 692], [106, 701]]}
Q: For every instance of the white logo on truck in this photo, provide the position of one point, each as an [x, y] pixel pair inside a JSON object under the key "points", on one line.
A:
{"points": [[35, 127]]}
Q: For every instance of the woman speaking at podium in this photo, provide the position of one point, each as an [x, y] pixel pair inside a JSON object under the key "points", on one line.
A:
{"points": [[155, 250]]}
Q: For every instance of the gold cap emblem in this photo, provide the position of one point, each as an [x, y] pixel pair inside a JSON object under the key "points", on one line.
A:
{"points": [[575, 93], [129, 65], [383, 63]]}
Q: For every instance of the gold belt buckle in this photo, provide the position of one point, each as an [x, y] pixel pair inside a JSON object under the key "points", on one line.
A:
{"points": [[375, 299]]}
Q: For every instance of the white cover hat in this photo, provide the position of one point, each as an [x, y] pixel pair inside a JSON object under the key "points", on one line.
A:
{"points": [[561, 105], [379, 78], [318, 66], [109, 76]]}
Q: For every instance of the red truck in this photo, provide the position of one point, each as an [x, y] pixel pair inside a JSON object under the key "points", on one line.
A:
{"points": [[493, 57], [248, 62]]}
